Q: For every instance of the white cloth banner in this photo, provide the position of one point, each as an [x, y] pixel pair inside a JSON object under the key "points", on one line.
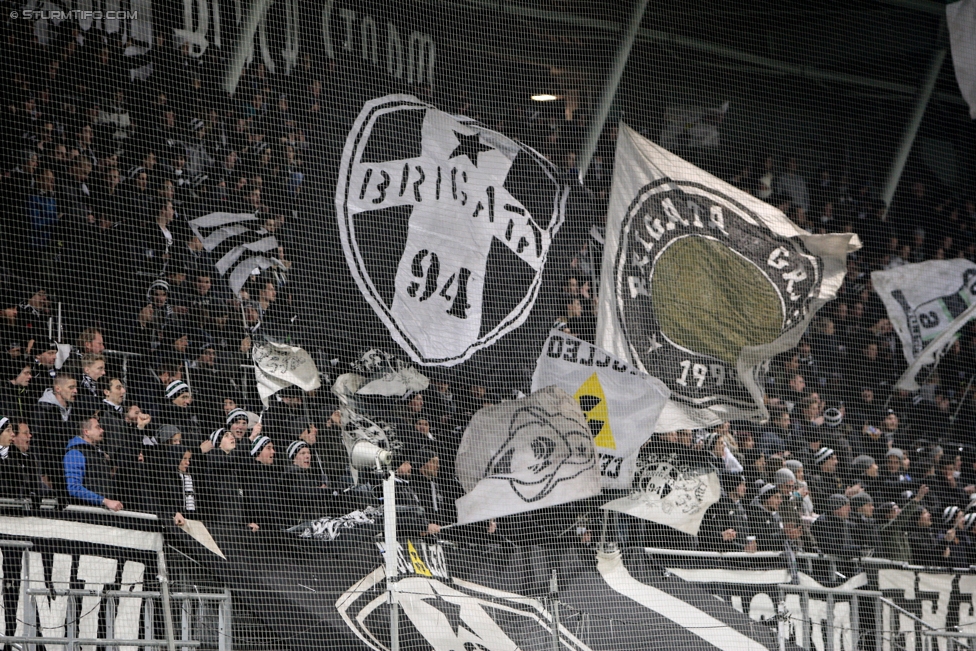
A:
{"points": [[927, 303], [670, 488], [702, 283], [278, 366], [523, 455], [961, 20], [621, 404]]}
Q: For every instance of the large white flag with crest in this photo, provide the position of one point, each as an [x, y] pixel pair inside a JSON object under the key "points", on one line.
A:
{"points": [[527, 454], [928, 303], [702, 283], [621, 404]]}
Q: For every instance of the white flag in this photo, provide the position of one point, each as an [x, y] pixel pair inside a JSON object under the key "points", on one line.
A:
{"points": [[961, 20], [278, 366], [621, 404], [702, 284], [927, 303], [673, 486], [523, 455], [240, 245]]}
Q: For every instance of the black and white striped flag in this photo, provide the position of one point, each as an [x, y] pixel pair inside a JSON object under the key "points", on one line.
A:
{"points": [[240, 244]]}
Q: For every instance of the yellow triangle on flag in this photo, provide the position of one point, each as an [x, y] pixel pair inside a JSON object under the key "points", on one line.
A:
{"points": [[593, 402], [418, 565]]}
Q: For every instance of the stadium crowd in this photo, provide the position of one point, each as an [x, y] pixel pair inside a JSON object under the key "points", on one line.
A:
{"points": [[101, 174]]}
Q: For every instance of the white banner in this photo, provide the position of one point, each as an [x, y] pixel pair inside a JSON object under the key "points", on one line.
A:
{"points": [[927, 303], [527, 454], [673, 487], [702, 283], [621, 404]]}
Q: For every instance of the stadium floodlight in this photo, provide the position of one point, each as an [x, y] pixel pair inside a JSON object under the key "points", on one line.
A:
{"points": [[544, 97]]}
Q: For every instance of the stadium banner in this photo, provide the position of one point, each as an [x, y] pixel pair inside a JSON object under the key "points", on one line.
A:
{"points": [[928, 303], [446, 226], [527, 454], [457, 595], [702, 283], [473, 596], [673, 485], [942, 599], [385, 173], [96, 552], [621, 404]]}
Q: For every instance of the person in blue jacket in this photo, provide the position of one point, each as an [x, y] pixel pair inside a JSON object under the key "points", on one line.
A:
{"points": [[88, 468]]}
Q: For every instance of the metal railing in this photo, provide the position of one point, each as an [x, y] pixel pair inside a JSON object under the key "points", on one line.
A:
{"points": [[809, 614], [206, 618], [829, 630]]}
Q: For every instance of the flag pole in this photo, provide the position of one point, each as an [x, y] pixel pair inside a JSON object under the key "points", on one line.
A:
{"points": [[610, 90], [963, 398], [390, 556], [908, 136], [603, 532]]}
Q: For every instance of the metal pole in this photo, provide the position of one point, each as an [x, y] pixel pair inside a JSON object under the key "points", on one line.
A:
{"points": [[164, 590], [390, 555], [610, 90], [554, 600], [963, 398], [908, 137], [603, 532], [878, 625], [782, 626]]}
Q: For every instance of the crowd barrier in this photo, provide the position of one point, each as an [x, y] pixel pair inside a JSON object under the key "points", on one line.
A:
{"points": [[880, 605], [91, 578]]}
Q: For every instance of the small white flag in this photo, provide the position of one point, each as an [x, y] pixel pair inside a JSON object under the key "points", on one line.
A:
{"points": [[527, 454], [673, 486], [928, 303], [278, 366]]}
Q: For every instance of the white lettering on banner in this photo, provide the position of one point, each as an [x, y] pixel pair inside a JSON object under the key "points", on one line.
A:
{"points": [[925, 595], [421, 50], [195, 31], [51, 611], [128, 610], [94, 572], [762, 608]]}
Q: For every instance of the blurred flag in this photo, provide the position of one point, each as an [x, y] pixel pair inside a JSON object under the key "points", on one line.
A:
{"points": [[961, 19], [620, 403], [673, 486], [692, 126], [240, 244], [928, 303], [278, 366], [702, 283], [527, 454]]}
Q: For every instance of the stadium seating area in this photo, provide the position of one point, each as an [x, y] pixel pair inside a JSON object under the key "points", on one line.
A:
{"points": [[125, 357]]}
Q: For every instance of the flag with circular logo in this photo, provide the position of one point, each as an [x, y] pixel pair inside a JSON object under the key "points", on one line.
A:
{"points": [[445, 225], [702, 283]]}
